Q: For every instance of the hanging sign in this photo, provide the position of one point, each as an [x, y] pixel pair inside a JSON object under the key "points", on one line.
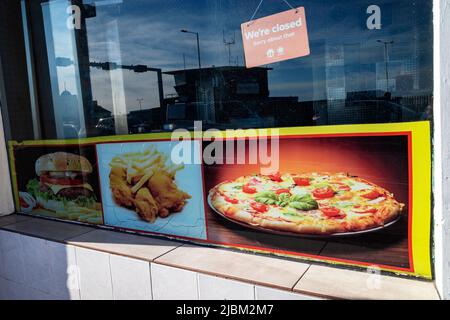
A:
{"points": [[275, 38]]}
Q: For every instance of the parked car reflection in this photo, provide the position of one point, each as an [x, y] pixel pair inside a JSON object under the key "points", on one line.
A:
{"points": [[372, 111]]}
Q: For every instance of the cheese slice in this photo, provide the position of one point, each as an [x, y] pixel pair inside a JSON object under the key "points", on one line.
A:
{"points": [[57, 188], [359, 186]]}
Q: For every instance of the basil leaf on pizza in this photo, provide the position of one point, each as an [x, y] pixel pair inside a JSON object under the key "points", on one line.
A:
{"points": [[266, 198], [304, 203], [283, 199]]}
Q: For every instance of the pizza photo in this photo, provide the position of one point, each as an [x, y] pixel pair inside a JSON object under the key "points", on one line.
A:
{"points": [[306, 203]]}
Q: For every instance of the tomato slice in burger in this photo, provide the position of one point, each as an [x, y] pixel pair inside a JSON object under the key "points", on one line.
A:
{"points": [[231, 200], [332, 212], [281, 191], [248, 189], [323, 193], [372, 195], [259, 207], [61, 181], [302, 182]]}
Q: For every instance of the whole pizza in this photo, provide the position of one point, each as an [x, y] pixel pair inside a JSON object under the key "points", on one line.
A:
{"points": [[308, 203]]}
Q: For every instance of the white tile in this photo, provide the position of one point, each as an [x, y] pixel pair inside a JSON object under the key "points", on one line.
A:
{"points": [[214, 288], [258, 269], [94, 275], [33, 294], [42, 265], [5, 289], [173, 284], [12, 266], [64, 272], [130, 278], [263, 293], [10, 290], [50, 268], [37, 263]]}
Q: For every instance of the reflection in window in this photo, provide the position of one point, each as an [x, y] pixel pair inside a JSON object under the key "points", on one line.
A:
{"points": [[135, 66]]}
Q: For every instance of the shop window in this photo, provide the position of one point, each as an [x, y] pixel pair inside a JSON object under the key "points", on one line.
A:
{"points": [[125, 67], [99, 73]]}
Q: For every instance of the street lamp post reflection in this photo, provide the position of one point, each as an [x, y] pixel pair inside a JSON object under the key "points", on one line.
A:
{"points": [[198, 46], [386, 59], [199, 90]]}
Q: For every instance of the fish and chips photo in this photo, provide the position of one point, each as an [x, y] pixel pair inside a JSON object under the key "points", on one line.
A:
{"points": [[145, 182]]}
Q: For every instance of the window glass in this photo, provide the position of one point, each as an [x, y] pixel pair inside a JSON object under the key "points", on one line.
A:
{"points": [[133, 66]]}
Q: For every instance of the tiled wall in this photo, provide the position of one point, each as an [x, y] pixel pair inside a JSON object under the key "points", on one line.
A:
{"points": [[32, 268], [441, 171]]}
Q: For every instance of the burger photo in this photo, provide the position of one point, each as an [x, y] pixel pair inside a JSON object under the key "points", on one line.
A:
{"points": [[62, 182]]}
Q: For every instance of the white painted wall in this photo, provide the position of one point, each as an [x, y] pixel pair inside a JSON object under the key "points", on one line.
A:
{"points": [[441, 146], [6, 198]]}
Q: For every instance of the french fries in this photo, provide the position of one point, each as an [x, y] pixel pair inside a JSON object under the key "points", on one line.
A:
{"points": [[81, 214], [141, 166], [141, 182], [74, 213]]}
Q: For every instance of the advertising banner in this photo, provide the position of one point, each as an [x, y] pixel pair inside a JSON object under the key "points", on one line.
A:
{"points": [[356, 195]]}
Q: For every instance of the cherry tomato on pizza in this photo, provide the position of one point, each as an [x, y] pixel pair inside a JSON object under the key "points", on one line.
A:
{"points": [[332, 212], [323, 193], [259, 207], [275, 177], [302, 182], [249, 189], [231, 200], [372, 195], [281, 191]]}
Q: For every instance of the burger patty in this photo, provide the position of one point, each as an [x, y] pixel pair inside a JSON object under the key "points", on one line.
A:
{"points": [[70, 193]]}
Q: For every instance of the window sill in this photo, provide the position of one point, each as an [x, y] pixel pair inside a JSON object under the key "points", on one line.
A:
{"points": [[291, 276]]}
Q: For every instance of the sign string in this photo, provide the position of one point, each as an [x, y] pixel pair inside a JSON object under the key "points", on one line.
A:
{"points": [[259, 6], [256, 11], [289, 5]]}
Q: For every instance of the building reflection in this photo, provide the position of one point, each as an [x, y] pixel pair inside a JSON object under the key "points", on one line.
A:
{"points": [[342, 82], [237, 97]]}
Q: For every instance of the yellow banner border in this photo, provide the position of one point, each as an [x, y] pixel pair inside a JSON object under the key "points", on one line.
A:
{"points": [[420, 145]]}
